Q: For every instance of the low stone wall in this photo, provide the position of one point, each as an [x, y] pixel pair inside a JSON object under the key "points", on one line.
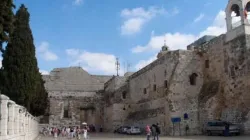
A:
{"points": [[15, 122]]}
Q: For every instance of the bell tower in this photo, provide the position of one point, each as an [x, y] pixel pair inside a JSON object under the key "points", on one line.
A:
{"points": [[237, 14]]}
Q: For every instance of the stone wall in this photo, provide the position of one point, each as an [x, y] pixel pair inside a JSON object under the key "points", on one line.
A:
{"points": [[157, 93], [79, 103], [75, 92], [116, 99], [162, 90], [15, 122], [206, 82], [73, 79], [228, 98]]}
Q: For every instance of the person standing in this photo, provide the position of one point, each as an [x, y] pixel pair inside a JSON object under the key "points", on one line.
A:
{"points": [[72, 132], [148, 132], [153, 130], [85, 131], [158, 131], [78, 133], [55, 132]]}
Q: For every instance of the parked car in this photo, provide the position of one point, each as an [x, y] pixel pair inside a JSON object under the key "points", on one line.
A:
{"points": [[117, 130], [219, 128], [133, 130], [121, 130]]}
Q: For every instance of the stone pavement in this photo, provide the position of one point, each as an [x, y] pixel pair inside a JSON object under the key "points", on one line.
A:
{"points": [[126, 137]]}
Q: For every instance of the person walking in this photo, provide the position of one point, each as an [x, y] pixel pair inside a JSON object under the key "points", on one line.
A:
{"points": [[78, 133], [158, 131], [55, 132], [85, 131], [153, 131], [148, 132]]}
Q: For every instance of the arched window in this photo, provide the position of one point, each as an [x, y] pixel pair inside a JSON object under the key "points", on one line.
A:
{"points": [[66, 109], [247, 10], [235, 14], [124, 95], [192, 79]]}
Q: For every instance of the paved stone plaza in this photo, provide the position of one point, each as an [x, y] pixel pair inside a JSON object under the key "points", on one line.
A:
{"points": [[126, 137]]}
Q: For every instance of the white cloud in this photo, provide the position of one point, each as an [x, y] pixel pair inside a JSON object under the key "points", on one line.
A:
{"points": [[174, 41], [44, 72], [218, 27], [78, 2], [134, 19], [132, 26], [45, 53], [175, 11], [144, 63], [93, 62], [199, 18], [179, 40]]}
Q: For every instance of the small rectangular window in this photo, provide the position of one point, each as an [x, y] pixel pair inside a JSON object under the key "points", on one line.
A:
{"points": [[207, 63], [154, 87], [66, 114], [145, 91], [166, 84]]}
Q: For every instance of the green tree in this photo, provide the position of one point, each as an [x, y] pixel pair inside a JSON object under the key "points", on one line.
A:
{"points": [[20, 76], [39, 104], [6, 20]]}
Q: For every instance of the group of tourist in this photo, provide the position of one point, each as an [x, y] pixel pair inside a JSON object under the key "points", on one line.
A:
{"points": [[70, 132], [154, 131]]}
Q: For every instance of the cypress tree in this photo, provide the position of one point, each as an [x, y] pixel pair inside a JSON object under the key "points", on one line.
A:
{"points": [[6, 20], [39, 104], [21, 80]]}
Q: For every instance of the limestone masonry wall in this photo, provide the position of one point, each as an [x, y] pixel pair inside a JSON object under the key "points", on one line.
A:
{"points": [[75, 96], [206, 82], [225, 92], [15, 122]]}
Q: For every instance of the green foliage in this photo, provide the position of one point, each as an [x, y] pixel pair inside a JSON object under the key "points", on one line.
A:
{"points": [[20, 76], [40, 100], [6, 20]]}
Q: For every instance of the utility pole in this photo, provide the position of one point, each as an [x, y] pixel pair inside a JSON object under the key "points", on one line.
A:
{"points": [[117, 64], [124, 67]]}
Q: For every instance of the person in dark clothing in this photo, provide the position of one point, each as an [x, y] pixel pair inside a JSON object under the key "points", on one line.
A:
{"points": [[158, 131], [153, 131], [101, 129], [226, 133]]}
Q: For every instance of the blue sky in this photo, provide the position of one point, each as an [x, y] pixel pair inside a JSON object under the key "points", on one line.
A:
{"points": [[92, 33]]}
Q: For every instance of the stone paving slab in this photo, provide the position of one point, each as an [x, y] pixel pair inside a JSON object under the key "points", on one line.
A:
{"points": [[126, 137]]}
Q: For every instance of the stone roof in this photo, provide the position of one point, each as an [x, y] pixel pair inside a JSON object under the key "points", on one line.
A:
{"points": [[73, 79]]}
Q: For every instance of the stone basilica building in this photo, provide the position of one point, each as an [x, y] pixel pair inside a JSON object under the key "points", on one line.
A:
{"points": [[210, 80]]}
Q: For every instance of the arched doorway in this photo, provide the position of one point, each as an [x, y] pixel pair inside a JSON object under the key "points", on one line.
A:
{"points": [[247, 11]]}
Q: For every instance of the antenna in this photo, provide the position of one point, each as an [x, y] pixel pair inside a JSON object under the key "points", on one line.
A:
{"points": [[117, 64], [124, 67]]}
